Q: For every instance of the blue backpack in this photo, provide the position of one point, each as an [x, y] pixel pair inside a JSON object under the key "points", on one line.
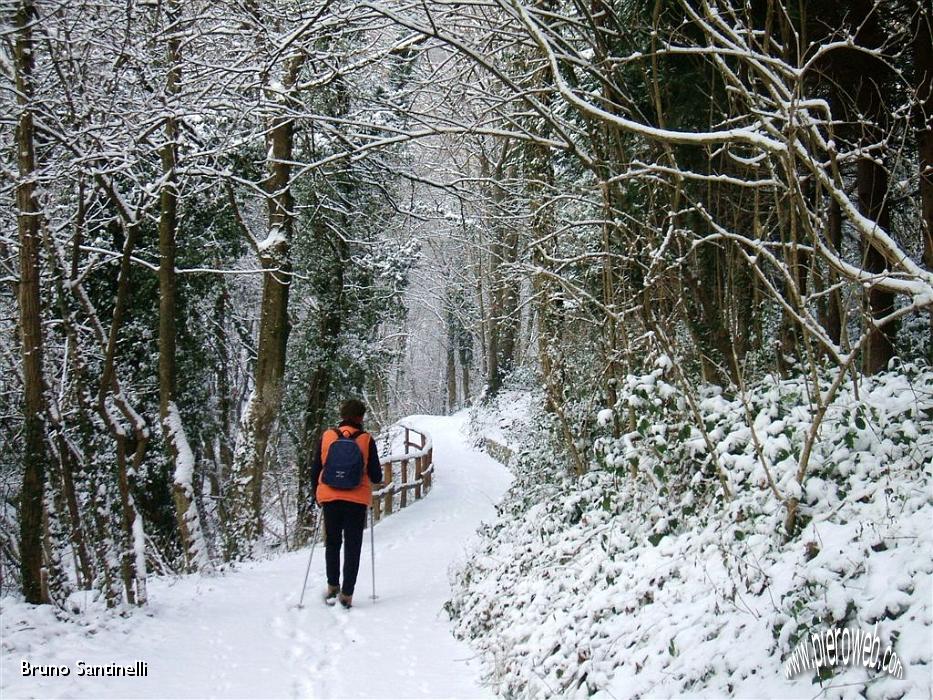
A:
{"points": [[343, 468]]}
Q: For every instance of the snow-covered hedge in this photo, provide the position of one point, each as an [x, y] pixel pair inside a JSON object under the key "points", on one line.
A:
{"points": [[505, 419], [639, 580]]}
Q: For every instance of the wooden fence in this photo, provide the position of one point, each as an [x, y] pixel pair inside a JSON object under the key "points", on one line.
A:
{"points": [[405, 474], [498, 451]]}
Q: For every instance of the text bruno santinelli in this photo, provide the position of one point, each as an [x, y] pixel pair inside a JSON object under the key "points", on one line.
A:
{"points": [[82, 668]]}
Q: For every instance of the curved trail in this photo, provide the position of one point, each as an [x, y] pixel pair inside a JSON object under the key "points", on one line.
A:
{"points": [[239, 635]]}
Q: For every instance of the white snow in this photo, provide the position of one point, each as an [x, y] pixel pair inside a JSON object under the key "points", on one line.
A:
{"points": [[239, 634], [633, 583], [139, 547], [184, 465], [505, 421], [275, 239]]}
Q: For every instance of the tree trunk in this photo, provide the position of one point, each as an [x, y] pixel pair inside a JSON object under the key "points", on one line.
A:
{"points": [[548, 313], [872, 194], [862, 77], [132, 439], [223, 454], [131, 444], [483, 316], [70, 461], [466, 362], [69, 466], [316, 400], [508, 321], [179, 456], [834, 310], [501, 340], [35, 453], [263, 405], [318, 394], [493, 375], [923, 67], [704, 314], [451, 371]]}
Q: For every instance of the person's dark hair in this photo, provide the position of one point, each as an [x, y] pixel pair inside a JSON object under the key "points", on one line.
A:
{"points": [[352, 409]]}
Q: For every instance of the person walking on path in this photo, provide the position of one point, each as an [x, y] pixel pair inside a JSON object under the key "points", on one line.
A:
{"points": [[345, 467]]}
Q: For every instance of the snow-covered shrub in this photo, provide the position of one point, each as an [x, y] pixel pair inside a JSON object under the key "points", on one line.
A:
{"points": [[642, 578], [504, 417]]}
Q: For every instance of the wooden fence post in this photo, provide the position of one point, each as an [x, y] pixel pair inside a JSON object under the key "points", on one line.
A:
{"points": [[387, 480], [422, 478], [430, 472], [403, 501]]}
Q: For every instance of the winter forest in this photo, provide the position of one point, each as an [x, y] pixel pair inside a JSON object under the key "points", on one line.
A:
{"points": [[663, 269]]}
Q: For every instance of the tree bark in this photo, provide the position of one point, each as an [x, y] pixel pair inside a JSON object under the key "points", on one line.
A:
{"points": [[493, 375], [263, 405], [221, 450], [508, 321], [466, 362], [872, 194], [178, 453], [68, 461], [130, 444], [316, 400], [35, 452], [834, 310], [500, 344], [862, 77], [923, 67], [451, 368]]}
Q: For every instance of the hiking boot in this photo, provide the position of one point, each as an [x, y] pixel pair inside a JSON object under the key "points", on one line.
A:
{"points": [[346, 600], [330, 595]]}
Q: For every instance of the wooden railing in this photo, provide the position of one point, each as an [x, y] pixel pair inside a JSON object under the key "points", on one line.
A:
{"points": [[499, 452], [416, 464]]}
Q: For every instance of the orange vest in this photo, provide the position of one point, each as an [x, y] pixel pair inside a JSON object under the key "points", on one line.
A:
{"points": [[363, 493]]}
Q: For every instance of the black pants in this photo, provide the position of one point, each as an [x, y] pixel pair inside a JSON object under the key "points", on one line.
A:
{"points": [[343, 523]]}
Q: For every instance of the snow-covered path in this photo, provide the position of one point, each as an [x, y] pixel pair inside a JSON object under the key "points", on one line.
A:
{"points": [[240, 635]]}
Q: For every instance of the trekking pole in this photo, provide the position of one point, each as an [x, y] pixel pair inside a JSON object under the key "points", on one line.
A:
{"points": [[372, 552], [314, 539]]}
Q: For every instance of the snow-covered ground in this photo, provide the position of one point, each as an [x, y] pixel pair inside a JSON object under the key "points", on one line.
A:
{"points": [[632, 582], [239, 635], [505, 421]]}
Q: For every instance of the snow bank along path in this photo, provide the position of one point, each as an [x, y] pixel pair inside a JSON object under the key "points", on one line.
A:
{"points": [[239, 635]]}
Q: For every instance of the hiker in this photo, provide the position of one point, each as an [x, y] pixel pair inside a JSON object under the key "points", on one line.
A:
{"points": [[346, 465]]}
